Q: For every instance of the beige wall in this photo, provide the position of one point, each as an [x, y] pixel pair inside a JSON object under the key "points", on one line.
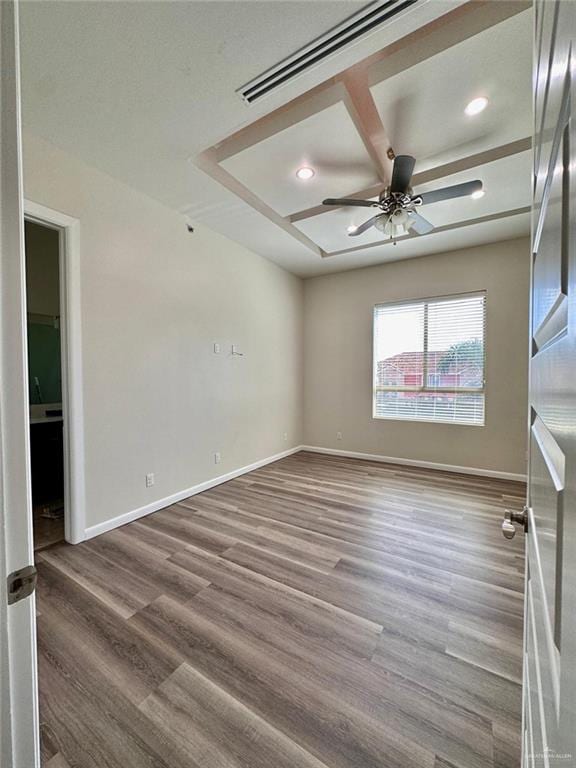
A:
{"points": [[338, 358], [154, 301]]}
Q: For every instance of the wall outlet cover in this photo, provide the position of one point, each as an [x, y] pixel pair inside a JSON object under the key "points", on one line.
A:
{"points": [[217, 458], [149, 479]]}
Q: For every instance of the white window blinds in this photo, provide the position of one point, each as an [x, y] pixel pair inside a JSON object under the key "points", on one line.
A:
{"points": [[429, 360]]}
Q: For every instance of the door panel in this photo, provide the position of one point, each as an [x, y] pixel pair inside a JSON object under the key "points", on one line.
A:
{"points": [[534, 702], [540, 629], [549, 285], [547, 483], [17, 621], [550, 609], [551, 73]]}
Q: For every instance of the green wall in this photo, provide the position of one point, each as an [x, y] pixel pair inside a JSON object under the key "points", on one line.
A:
{"points": [[44, 362], [43, 305]]}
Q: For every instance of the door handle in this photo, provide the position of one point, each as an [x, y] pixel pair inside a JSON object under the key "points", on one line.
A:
{"points": [[511, 519]]}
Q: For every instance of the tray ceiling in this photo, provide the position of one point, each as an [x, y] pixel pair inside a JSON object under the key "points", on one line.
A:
{"points": [[411, 99], [151, 100]]}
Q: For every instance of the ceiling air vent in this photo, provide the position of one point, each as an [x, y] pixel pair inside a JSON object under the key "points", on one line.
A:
{"points": [[355, 27]]}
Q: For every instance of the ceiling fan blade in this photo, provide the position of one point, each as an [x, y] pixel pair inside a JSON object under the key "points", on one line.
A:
{"points": [[363, 227], [348, 201], [448, 193], [419, 224], [402, 173]]}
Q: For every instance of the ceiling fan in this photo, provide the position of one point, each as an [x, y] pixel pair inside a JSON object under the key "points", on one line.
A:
{"points": [[397, 204]]}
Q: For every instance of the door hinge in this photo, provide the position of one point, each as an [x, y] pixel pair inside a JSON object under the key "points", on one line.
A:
{"points": [[21, 584]]}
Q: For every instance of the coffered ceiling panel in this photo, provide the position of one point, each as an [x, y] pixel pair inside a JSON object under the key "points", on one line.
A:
{"points": [[407, 99], [327, 141], [423, 106], [507, 187]]}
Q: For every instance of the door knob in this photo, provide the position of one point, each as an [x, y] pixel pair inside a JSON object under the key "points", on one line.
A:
{"points": [[508, 530], [511, 517]]}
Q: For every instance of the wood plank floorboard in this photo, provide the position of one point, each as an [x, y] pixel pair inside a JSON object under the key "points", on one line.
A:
{"points": [[319, 612]]}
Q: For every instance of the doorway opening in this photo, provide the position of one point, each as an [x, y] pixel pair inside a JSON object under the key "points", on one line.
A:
{"points": [[55, 394], [46, 408]]}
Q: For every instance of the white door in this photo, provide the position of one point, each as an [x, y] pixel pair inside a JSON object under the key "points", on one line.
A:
{"points": [[18, 697], [550, 615]]}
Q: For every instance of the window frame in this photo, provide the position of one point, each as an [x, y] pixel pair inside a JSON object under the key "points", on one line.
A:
{"points": [[481, 390]]}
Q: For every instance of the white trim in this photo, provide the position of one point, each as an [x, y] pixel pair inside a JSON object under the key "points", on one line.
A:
{"points": [[135, 514], [72, 392], [416, 463], [128, 517]]}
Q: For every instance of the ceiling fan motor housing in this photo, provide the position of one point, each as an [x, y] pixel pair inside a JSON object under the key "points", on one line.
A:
{"points": [[392, 201]]}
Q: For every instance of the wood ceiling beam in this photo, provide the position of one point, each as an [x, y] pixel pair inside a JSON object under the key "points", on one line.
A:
{"points": [[473, 161], [361, 107], [432, 174], [435, 231], [207, 163]]}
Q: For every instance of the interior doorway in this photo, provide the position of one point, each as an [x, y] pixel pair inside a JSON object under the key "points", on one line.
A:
{"points": [[55, 394], [46, 408]]}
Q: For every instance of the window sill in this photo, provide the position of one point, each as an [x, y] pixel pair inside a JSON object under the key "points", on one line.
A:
{"points": [[430, 421]]}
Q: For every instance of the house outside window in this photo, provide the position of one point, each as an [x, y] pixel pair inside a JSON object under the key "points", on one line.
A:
{"points": [[429, 360]]}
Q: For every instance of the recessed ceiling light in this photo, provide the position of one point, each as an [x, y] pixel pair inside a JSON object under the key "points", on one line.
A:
{"points": [[478, 194], [351, 229], [476, 106], [305, 173]]}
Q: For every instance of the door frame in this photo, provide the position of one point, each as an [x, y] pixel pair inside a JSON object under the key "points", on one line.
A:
{"points": [[71, 354]]}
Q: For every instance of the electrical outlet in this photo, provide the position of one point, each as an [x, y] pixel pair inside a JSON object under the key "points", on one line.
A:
{"points": [[338, 435], [150, 480], [217, 458], [285, 436], [216, 349]]}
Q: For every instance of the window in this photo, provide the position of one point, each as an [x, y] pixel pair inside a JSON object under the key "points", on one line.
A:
{"points": [[429, 360]]}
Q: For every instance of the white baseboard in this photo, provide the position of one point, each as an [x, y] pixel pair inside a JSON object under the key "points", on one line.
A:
{"points": [[128, 517], [416, 463]]}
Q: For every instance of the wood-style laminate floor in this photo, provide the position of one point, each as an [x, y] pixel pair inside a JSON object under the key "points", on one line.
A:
{"points": [[319, 612], [47, 530]]}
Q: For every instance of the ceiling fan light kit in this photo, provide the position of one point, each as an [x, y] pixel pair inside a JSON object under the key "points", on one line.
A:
{"points": [[394, 225], [398, 204]]}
